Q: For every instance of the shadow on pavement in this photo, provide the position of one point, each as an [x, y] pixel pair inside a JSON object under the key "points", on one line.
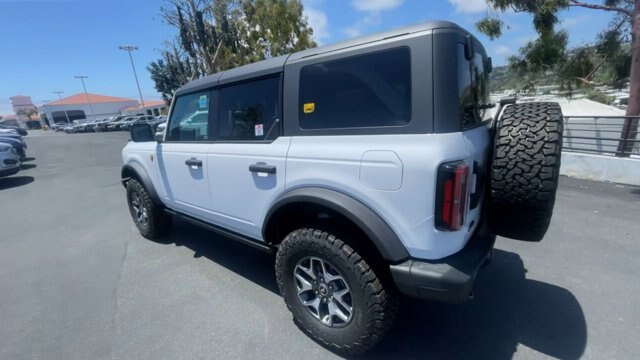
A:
{"points": [[15, 181], [508, 309], [244, 260], [28, 159], [27, 166]]}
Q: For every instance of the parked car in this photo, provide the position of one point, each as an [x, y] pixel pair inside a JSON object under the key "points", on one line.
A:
{"points": [[102, 126], [117, 125], [138, 119], [20, 130], [73, 128], [91, 125], [10, 133], [66, 128], [17, 143], [59, 127], [151, 120], [9, 160], [372, 167]]}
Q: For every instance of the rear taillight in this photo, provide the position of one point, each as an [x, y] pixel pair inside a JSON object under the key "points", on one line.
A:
{"points": [[451, 195]]}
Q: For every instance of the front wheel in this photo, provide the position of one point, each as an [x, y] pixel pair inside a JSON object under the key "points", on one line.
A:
{"points": [[150, 219], [334, 295]]}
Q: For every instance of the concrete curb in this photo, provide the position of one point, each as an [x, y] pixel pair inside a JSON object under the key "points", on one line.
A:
{"points": [[601, 168]]}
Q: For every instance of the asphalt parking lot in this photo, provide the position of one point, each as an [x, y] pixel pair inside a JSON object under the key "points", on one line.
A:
{"points": [[77, 281]]}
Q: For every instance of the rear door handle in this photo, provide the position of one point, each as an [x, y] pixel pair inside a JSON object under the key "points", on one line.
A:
{"points": [[262, 168], [193, 162]]}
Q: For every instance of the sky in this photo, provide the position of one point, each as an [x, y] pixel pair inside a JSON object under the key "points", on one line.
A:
{"points": [[45, 43]]}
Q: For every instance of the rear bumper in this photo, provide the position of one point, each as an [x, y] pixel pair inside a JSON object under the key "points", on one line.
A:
{"points": [[448, 279]]}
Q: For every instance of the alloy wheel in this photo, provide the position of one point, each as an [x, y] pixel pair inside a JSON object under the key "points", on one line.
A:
{"points": [[323, 291]]}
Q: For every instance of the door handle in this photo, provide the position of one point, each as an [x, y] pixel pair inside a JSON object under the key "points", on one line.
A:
{"points": [[262, 168], [193, 162]]}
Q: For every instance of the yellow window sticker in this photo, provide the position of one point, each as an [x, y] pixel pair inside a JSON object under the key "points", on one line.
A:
{"points": [[308, 108]]}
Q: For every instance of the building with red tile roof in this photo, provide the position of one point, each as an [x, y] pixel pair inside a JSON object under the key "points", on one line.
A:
{"points": [[85, 107], [151, 107]]}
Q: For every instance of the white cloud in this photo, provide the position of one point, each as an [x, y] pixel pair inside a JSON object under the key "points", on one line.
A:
{"points": [[503, 51], [375, 5], [352, 31], [360, 26], [469, 6], [318, 22]]}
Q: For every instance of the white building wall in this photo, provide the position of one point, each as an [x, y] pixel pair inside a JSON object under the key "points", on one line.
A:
{"points": [[100, 110]]}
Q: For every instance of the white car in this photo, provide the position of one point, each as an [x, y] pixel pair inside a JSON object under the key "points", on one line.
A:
{"points": [[370, 168], [9, 131], [9, 160]]}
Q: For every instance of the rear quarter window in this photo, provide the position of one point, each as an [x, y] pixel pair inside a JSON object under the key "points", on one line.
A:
{"points": [[473, 89], [372, 90]]}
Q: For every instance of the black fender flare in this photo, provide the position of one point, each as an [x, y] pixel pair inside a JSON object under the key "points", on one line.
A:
{"points": [[135, 170], [380, 233]]}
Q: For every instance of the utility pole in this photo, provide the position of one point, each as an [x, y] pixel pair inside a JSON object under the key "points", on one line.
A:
{"points": [[59, 92], [129, 49], [82, 77]]}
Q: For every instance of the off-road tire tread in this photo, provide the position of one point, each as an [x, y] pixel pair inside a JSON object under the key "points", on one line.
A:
{"points": [[383, 301], [159, 221], [525, 170]]}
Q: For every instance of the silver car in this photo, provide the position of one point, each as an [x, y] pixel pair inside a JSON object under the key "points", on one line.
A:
{"points": [[9, 160]]}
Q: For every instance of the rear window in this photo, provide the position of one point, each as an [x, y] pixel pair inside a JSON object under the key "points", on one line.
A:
{"points": [[473, 89], [465, 89], [372, 90]]}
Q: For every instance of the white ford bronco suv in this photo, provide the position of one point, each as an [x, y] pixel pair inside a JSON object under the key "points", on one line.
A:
{"points": [[371, 167]]}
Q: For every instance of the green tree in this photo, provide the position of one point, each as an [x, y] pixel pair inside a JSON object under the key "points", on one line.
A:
{"points": [[614, 58], [215, 35], [275, 27]]}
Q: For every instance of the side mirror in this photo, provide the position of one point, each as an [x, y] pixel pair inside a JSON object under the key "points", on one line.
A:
{"points": [[141, 133], [489, 65]]}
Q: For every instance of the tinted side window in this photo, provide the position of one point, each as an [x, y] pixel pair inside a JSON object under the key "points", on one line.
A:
{"points": [[480, 81], [473, 89], [465, 89], [247, 111], [371, 90], [190, 118]]}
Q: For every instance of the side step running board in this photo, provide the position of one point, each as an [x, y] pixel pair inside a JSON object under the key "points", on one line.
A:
{"points": [[237, 237]]}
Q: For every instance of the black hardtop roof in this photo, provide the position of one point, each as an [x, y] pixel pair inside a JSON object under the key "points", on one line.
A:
{"points": [[274, 65]]}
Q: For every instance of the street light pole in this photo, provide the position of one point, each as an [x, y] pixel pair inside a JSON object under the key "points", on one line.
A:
{"points": [[82, 77], [129, 49], [59, 92]]}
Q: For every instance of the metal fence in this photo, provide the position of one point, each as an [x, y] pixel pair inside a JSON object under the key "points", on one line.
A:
{"points": [[599, 135]]}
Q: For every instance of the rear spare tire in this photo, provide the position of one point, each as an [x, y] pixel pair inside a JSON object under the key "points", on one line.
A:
{"points": [[525, 169]]}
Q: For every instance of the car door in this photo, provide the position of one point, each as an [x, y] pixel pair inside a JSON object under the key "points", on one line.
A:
{"points": [[182, 156], [247, 159]]}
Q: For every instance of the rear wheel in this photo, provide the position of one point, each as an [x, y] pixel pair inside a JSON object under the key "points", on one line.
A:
{"points": [[334, 295], [525, 170], [150, 219]]}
